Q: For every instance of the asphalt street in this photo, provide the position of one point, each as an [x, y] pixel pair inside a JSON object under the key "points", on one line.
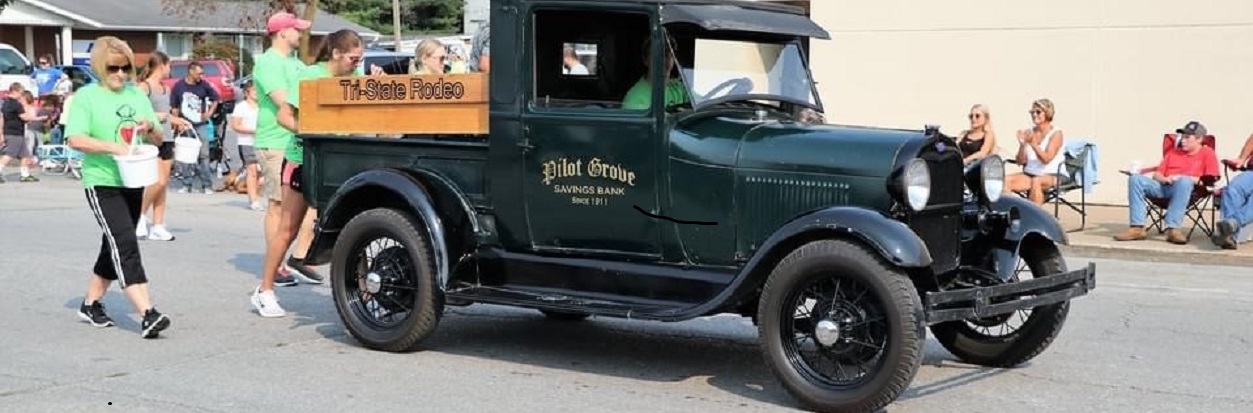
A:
{"points": [[1154, 337]]}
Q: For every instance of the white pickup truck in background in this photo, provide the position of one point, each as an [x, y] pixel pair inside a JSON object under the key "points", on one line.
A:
{"points": [[15, 67]]}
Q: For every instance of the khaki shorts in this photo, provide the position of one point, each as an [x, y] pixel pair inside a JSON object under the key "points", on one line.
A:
{"points": [[271, 163]]}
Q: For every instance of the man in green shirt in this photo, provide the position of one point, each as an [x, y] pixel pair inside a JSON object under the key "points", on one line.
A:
{"points": [[640, 97], [274, 74]]}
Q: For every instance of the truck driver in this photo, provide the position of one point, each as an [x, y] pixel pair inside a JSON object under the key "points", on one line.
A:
{"points": [[640, 97]]}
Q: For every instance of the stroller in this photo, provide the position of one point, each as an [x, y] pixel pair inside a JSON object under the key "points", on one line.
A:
{"points": [[60, 160]]}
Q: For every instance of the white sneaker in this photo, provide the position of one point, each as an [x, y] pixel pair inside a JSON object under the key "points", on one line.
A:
{"points": [[209, 191], [266, 303], [159, 233], [183, 190], [257, 206], [141, 228]]}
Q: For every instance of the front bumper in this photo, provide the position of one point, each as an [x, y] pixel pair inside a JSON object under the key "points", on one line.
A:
{"points": [[981, 302]]}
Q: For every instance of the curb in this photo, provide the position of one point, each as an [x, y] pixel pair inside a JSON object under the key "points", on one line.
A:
{"points": [[1144, 255]]}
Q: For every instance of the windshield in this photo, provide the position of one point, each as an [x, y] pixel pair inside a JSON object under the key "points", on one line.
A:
{"points": [[729, 69], [12, 63]]}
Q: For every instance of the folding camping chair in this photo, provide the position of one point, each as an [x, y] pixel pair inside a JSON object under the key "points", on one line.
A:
{"points": [[1198, 203], [1074, 166], [1073, 179]]}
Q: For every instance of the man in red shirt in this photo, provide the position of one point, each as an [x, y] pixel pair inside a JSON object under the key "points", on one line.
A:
{"points": [[1181, 168]]}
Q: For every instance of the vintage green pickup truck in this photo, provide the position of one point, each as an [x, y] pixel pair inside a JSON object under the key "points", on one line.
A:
{"points": [[597, 188]]}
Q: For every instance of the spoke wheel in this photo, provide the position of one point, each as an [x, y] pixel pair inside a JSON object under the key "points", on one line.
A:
{"points": [[383, 281], [840, 328], [1014, 338], [838, 332]]}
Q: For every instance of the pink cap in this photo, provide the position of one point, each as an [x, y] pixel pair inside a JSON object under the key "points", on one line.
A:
{"points": [[283, 20]]}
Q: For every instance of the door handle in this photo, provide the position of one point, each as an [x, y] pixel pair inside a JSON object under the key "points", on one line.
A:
{"points": [[525, 143]]}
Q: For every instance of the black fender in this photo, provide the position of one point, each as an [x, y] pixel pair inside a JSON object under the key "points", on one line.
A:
{"points": [[891, 239], [1026, 220], [412, 187]]}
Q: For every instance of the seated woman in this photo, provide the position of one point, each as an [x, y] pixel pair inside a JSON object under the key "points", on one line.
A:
{"points": [[979, 141], [1040, 152]]}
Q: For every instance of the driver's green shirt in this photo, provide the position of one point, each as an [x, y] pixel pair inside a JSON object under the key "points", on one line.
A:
{"points": [[640, 97]]}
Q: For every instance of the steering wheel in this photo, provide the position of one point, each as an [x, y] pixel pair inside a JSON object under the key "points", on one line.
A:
{"points": [[679, 107], [738, 87]]}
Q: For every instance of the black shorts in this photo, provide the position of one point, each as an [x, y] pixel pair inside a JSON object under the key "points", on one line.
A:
{"points": [[166, 150], [292, 175]]}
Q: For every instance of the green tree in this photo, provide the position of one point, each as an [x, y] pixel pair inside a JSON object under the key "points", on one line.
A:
{"points": [[255, 16], [4, 4], [440, 16]]}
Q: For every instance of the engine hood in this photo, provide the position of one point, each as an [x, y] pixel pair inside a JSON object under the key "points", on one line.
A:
{"points": [[848, 151]]}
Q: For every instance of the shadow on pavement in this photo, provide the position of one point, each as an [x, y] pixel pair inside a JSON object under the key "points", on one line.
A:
{"points": [[248, 262], [728, 358], [115, 305]]}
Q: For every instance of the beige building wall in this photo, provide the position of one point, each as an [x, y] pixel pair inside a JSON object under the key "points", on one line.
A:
{"points": [[1121, 73]]}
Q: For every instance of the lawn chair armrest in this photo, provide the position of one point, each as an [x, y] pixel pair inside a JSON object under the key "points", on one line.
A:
{"points": [[1235, 165]]}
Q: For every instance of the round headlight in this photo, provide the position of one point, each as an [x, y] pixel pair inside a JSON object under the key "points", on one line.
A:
{"points": [[993, 174], [917, 184]]}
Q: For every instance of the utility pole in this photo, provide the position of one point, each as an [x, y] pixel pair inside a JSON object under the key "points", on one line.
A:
{"points": [[396, 22]]}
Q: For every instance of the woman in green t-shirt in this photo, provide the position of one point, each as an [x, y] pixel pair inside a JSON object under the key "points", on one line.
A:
{"points": [[104, 118], [340, 54]]}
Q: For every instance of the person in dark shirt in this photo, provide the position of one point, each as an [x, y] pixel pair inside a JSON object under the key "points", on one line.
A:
{"points": [[194, 100], [15, 118]]}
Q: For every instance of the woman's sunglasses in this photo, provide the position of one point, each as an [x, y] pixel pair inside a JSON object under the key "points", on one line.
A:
{"points": [[114, 68]]}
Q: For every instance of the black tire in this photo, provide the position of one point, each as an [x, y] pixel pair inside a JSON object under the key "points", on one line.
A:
{"points": [[1016, 347], [569, 316], [348, 269], [887, 295]]}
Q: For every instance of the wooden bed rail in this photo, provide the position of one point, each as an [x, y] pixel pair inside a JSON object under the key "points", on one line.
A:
{"points": [[395, 104]]}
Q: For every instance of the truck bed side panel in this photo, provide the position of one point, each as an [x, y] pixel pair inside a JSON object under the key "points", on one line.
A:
{"points": [[331, 160]]}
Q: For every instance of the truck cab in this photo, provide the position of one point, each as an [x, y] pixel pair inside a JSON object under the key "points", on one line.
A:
{"points": [[688, 172]]}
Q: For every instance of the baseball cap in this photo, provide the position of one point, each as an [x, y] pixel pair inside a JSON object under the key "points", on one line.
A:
{"points": [[1193, 128], [284, 20]]}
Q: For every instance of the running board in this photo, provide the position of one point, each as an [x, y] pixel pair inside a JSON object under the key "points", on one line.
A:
{"points": [[552, 299]]}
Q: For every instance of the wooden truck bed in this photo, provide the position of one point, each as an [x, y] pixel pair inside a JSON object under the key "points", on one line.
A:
{"points": [[395, 105]]}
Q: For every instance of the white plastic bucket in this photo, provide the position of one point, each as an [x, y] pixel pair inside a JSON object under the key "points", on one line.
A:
{"points": [[187, 150], [139, 169]]}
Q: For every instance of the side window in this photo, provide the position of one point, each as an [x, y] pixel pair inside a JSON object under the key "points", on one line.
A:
{"points": [[76, 74], [393, 65], [586, 60], [578, 59]]}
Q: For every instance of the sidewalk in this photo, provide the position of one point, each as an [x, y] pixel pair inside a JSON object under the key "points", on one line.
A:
{"points": [[1097, 240]]}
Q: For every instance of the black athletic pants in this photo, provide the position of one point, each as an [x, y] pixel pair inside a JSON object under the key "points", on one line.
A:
{"points": [[117, 212]]}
